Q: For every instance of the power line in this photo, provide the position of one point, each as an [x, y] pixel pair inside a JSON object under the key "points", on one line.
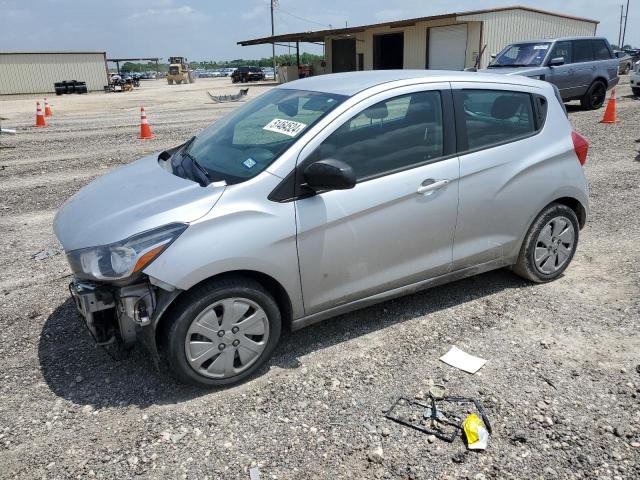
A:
{"points": [[281, 10]]}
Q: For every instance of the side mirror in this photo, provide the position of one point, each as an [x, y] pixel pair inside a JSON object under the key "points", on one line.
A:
{"points": [[554, 62], [493, 56], [329, 175]]}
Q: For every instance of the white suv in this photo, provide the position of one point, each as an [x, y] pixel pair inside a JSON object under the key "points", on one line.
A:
{"points": [[634, 79]]}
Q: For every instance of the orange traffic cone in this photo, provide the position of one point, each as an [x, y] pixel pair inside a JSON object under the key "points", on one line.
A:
{"points": [[39, 117], [47, 109], [145, 129], [610, 112]]}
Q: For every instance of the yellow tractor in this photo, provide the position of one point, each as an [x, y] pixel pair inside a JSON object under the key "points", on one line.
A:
{"points": [[179, 71]]}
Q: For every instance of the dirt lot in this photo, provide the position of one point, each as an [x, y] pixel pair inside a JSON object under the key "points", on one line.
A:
{"points": [[561, 386]]}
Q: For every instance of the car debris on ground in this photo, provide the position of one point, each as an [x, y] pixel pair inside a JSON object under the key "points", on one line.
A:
{"points": [[462, 360], [228, 98], [445, 417]]}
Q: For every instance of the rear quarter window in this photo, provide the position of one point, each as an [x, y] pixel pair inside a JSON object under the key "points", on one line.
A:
{"points": [[493, 117], [600, 50]]}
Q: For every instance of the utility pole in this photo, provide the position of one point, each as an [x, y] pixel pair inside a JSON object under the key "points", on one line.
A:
{"points": [[620, 29], [624, 31], [274, 3]]}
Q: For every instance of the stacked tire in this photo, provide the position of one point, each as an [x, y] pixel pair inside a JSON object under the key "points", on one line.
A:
{"points": [[70, 86]]}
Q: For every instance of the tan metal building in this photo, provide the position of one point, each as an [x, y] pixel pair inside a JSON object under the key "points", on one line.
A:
{"points": [[36, 72], [451, 41]]}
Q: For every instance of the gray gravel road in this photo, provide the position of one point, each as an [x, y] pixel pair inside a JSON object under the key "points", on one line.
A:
{"points": [[561, 386]]}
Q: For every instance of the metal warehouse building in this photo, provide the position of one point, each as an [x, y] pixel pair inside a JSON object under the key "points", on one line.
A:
{"points": [[36, 72], [451, 41]]}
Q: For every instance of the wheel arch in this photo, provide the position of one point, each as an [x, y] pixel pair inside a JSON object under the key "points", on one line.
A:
{"points": [[272, 286], [567, 200], [575, 205], [602, 79]]}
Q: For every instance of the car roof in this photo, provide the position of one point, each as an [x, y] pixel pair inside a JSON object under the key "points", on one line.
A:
{"points": [[350, 83], [559, 39]]}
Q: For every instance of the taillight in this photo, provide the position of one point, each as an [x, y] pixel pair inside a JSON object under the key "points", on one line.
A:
{"points": [[581, 147]]}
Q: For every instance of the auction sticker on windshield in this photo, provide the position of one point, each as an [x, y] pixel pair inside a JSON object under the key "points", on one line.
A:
{"points": [[286, 127], [540, 47]]}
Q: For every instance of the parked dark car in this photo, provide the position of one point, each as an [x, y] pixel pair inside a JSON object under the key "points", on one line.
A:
{"points": [[247, 74], [583, 68]]}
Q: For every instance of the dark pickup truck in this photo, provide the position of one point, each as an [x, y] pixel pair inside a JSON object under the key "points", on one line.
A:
{"points": [[583, 68]]}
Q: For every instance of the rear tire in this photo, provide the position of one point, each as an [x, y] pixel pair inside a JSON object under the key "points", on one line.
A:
{"points": [[549, 246], [595, 96], [636, 91], [206, 343], [170, 82]]}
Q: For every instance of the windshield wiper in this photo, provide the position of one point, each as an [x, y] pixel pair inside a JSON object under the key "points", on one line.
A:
{"points": [[198, 172], [190, 169], [187, 144]]}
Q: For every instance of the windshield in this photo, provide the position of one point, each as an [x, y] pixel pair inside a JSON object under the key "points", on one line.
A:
{"points": [[244, 143], [522, 55]]}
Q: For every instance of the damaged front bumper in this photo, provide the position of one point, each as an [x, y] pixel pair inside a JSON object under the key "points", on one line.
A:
{"points": [[122, 315]]}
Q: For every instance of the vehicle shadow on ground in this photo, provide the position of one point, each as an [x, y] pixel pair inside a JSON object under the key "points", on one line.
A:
{"points": [[573, 107], [76, 369]]}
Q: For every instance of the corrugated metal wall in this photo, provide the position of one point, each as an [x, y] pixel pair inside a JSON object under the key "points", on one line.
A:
{"points": [[502, 28], [499, 29], [415, 43], [37, 72]]}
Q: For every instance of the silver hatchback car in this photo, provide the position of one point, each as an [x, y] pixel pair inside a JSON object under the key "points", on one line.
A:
{"points": [[319, 197]]}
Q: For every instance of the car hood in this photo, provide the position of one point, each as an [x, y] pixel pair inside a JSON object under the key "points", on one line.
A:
{"points": [[128, 200], [525, 71]]}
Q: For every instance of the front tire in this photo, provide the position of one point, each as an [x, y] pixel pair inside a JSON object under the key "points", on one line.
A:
{"points": [[222, 332], [549, 245], [595, 96]]}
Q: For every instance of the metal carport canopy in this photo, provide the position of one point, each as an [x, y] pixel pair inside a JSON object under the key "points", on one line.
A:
{"points": [[310, 37], [319, 35]]}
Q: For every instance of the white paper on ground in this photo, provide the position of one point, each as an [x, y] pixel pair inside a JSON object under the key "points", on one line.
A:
{"points": [[462, 360]]}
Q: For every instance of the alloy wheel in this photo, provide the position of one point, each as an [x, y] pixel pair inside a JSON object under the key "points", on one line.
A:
{"points": [[598, 95], [227, 337], [554, 245]]}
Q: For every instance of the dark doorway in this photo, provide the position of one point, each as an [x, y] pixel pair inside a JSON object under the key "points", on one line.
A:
{"points": [[343, 55], [361, 61], [388, 51]]}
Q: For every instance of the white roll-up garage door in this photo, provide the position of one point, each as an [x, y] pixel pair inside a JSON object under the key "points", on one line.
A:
{"points": [[447, 47]]}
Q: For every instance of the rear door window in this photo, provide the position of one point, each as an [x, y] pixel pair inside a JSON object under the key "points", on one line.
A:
{"points": [[492, 117], [582, 51], [600, 50]]}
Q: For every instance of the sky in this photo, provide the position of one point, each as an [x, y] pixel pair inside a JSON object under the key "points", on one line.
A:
{"points": [[210, 29]]}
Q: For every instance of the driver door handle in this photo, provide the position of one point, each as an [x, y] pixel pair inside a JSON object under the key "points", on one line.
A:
{"points": [[430, 185]]}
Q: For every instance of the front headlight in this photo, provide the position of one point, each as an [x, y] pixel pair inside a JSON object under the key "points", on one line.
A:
{"points": [[120, 260]]}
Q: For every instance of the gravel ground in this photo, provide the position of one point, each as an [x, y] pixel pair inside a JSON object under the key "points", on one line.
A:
{"points": [[561, 386]]}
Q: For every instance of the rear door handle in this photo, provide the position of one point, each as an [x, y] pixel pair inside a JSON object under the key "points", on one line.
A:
{"points": [[430, 185]]}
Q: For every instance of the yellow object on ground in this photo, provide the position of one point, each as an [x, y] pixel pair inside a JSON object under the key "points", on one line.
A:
{"points": [[476, 432]]}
